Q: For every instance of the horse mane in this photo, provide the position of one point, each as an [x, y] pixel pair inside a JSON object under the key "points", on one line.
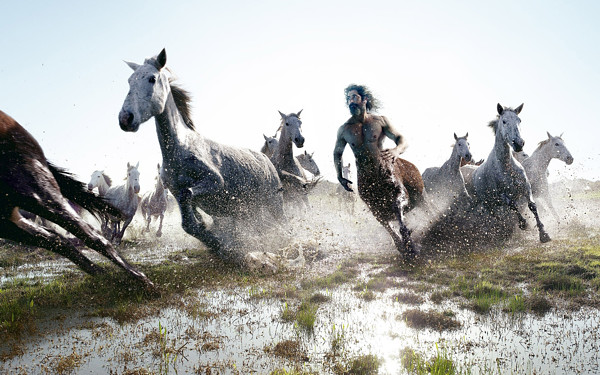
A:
{"points": [[182, 102], [494, 123], [107, 179], [542, 143]]}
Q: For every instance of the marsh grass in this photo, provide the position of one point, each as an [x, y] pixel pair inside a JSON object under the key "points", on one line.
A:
{"points": [[439, 364], [439, 321], [112, 294]]}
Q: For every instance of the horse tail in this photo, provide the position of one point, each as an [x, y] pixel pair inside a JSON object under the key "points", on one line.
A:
{"points": [[77, 192]]}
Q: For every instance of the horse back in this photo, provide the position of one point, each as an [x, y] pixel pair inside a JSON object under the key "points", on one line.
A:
{"points": [[411, 179]]}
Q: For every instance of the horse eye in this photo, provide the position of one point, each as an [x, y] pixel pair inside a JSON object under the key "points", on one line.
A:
{"points": [[286, 124], [556, 144], [152, 79]]}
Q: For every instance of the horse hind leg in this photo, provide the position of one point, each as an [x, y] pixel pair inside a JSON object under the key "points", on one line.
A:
{"points": [[409, 247], [29, 233], [66, 217]]}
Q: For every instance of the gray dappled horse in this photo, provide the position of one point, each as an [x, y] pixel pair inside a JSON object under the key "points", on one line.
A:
{"points": [[446, 183], [536, 167], [291, 173], [501, 180], [308, 163], [220, 180]]}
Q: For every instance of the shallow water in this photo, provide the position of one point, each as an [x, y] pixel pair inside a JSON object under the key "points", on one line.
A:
{"points": [[234, 331]]}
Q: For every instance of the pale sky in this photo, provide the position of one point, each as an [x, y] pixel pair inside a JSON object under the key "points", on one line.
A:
{"points": [[439, 67]]}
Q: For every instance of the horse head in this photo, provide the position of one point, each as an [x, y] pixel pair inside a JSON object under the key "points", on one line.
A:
{"points": [[558, 149], [462, 147], [148, 92], [133, 177], [270, 145], [291, 128], [507, 126], [307, 162]]}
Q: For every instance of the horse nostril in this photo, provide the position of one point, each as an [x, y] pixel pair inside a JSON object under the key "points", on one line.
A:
{"points": [[125, 118]]}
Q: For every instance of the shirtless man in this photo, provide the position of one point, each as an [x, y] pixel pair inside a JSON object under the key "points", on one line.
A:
{"points": [[386, 183]]}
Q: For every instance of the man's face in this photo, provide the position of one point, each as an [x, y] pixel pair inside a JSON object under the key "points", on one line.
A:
{"points": [[355, 102]]}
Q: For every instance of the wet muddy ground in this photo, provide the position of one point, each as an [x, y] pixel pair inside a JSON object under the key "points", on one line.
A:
{"points": [[343, 302]]}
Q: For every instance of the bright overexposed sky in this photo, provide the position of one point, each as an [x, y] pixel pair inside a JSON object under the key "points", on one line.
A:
{"points": [[439, 67]]}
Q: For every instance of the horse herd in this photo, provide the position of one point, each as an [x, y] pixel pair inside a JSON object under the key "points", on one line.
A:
{"points": [[207, 178]]}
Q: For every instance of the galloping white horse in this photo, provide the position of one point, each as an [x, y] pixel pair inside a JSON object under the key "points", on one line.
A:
{"points": [[125, 199], [536, 167], [102, 182], [217, 179], [446, 183], [501, 180], [154, 203], [290, 171]]}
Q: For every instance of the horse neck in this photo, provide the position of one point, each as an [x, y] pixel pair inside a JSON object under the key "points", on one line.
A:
{"points": [[171, 129], [453, 163], [541, 157], [102, 186], [160, 188], [284, 152], [502, 149]]}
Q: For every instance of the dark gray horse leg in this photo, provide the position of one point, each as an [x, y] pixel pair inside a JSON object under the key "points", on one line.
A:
{"points": [[544, 237], [513, 206], [94, 240], [409, 246], [159, 231], [31, 234], [194, 226]]}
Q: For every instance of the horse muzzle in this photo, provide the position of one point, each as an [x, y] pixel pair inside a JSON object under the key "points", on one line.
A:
{"points": [[299, 142], [569, 160], [126, 121], [518, 145]]}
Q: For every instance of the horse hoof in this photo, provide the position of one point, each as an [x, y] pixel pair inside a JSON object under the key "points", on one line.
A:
{"points": [[544, 237], [158, 234]]}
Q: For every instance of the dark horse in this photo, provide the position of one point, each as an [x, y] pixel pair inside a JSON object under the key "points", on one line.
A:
{"points": [[28, 181]]}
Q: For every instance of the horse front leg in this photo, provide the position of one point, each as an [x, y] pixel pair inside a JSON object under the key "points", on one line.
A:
{"points": [[544, 237], [194, 225], [513, 206], [159, 232]]}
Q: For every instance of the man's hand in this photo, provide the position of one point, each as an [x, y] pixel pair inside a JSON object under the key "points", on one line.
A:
{"points": [[345, 183], [389, 155]]}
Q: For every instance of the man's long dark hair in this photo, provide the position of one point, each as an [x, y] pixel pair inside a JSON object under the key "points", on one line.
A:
{"points": [[372, 103]]}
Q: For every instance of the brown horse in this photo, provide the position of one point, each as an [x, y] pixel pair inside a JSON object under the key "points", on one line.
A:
{"points": [[390, 190], [28, 181]]}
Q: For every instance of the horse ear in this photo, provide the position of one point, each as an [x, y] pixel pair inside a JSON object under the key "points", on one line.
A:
{"points": [[549, 136], [161, 59], [282, 115], [519, 109], [132, 65], [466, 135], [500, 108], [455, 137], [137, 165], [265, 137], [298, 114], [128, 166]]}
